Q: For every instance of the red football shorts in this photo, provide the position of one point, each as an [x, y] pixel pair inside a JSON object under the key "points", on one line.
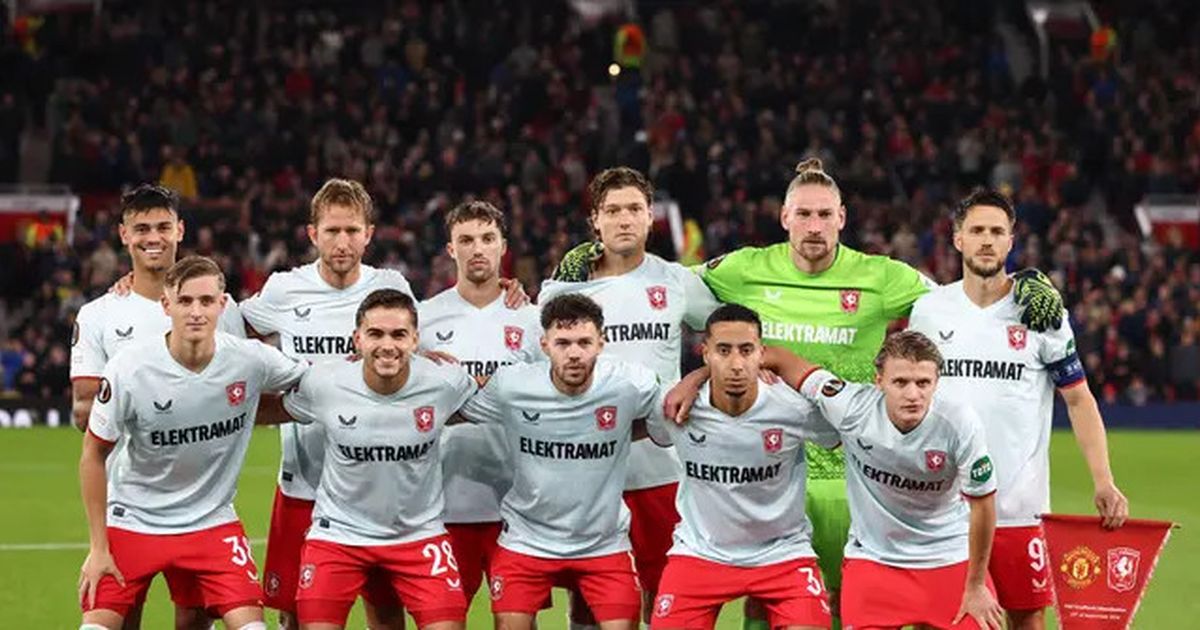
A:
{"points": [[290, 519], [693, 590], [652, 520], [876, 595], [609, 584], [1020, 569], [423, 574], [211, 568], [475, 546]]}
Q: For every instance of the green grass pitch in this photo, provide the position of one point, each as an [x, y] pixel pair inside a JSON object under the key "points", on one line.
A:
{"points": [[43, 535]]}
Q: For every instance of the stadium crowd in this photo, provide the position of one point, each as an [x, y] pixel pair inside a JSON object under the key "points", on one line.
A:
{"points": [[245, 108]]}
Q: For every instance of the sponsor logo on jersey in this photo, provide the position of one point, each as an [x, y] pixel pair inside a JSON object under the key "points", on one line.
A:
{"points": [[638, 331], [302, 313], [698, 440], [980, 368], [1017, 336], [1123, 568], [772, 295], [732, 474], [307, 573], [772, 440], [199, 433], [163, 407], [981, 470], [935, 460], [712, 264], [424, 418], [482, 368], [513, 336], [658, 297], [444, 338], [606, 418], [863, 445], [833, 387], [323, 344], [850, 299], [1080, 567], [662, 607], [568, 450], [347, 422], [235, 393], [74, 333], [893, 480], [946, 335], [531, 417], [385, 453], [808, 333], [124, 334], [118, 511], [104, 394]]}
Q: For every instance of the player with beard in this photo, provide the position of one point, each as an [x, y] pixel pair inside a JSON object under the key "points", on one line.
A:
{"points": [[1009, 374], [470, 322], [151, 231]]}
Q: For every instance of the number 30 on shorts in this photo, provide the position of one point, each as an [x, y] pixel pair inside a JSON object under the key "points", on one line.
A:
{"points": [[442, 555], [812, 582]]}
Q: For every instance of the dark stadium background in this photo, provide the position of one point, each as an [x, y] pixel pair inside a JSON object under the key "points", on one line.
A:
{"points": [[1087, 113]]}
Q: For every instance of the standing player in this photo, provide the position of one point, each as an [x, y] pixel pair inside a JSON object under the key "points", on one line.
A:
{"points": [[151, 231], [379, 505], [646, 301], [186, 405], [918, 553], [743, 532], [312, 309], [1008, 374], [568, 426], [470, 322]]}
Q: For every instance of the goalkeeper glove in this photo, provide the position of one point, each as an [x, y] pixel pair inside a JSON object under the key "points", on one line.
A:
{"points": [[1041, 304], [576, 265]]}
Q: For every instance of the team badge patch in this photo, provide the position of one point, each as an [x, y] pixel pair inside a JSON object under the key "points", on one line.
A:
{"points": [[513, 336], [1123, 568], [424, 418], [850, 299], [307, 573], [657, 296], [235, 393], [935, 460], [104, 394], [1080, 567], [606, 418], [74, 333], [1017, 335], [772, 440], [497, 588], [273, 583], [662, 607], [832, 387]]}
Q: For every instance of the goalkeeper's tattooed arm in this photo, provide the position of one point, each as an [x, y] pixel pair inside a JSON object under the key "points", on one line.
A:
{"points": [[577, 264], [1041, 304]]}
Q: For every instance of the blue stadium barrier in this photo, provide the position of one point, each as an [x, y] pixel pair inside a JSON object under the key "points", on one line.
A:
{"points": [[1179, 415]]}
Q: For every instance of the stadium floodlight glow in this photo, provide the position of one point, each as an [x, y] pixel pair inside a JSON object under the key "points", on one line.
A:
{"points": [[1040, 14], [613, 70]]}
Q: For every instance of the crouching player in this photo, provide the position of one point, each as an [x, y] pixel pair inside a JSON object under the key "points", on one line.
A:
{"points": [[743, 531], [185, 404], [918, 553], [379, 503]]}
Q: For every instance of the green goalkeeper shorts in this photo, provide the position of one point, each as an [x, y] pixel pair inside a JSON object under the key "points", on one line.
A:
{"points": [[829, 513]]}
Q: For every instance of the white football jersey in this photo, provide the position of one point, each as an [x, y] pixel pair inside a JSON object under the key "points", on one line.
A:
{"points": [[569, 453], [903, 488], [187, 432], [475, 457], [741, 499], [382, 480], [1008, 374], [111, 322], [314, 321], [643, 313]]}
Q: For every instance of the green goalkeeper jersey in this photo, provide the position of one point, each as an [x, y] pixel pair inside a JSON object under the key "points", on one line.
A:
{"points": [[836, 318]]}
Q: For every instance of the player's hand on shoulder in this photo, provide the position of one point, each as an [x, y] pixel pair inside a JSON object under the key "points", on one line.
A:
{"points": [[123, 286], [770, 377], [514, 294], [97, 565], [677, 404], [981, 605], [576, 264], [439, 357], [1112, 505], [1041, 303]]}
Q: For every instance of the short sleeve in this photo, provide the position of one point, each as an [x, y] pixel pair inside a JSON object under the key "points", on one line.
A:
{"points": [[807, 418], [660, 429], [844, 405], [531, 341], [975, 469], [112, 406], [459, 386], [392, 279], [279, 371], [231, 318], [87, 344], [721, 276], [486, 404], [699, 301], [262, 309], [646, 388], [299, 401], [1057, 351], [901, 288]]}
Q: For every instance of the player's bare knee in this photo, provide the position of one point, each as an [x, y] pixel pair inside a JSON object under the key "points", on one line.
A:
{"points": [[514, 621], [253, 625], [288, 621], [192, 619], [1027, 619]]}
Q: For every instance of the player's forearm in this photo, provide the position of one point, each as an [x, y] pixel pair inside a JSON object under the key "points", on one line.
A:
{"points": [[93, 486], [790, 367], [694, 380], [980, 534], [1088, 427], [83, 393], [271, 411]]}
